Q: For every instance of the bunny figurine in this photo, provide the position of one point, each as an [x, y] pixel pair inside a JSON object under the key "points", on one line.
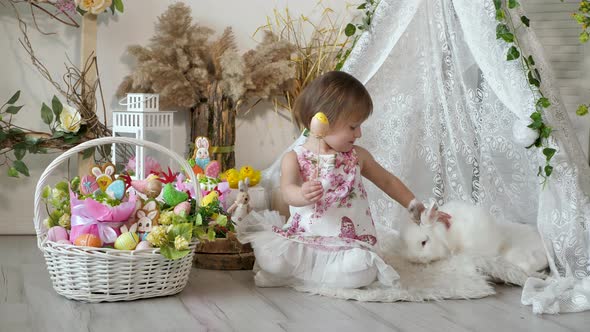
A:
{"points": [[202, 152], [241, 207], [147, 217]]}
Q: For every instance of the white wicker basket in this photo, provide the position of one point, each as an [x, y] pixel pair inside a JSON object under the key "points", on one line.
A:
{"points": [[102, 274]]}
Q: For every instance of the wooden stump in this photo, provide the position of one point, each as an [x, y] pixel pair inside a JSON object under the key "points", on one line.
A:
{"points": [[224, 254]]}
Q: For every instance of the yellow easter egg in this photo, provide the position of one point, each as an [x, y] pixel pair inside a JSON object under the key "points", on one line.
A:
{"points": [[127, 241], [319, 125], [322, 118]]}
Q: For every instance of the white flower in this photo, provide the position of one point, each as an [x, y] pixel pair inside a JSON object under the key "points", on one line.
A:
{"points": [[180, 243], [70, 120], [524, 135], [64, 221], [94, 6]]}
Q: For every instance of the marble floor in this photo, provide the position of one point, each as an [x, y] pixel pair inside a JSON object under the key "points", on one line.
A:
{"points": [[229, 301]]}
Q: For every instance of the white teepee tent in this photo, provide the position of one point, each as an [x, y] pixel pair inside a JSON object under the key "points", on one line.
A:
{"points": [[445, 103]]}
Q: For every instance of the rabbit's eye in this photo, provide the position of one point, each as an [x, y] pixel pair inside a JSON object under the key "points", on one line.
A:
{"points": [[139, 224], [424, 242], [147, 225]]}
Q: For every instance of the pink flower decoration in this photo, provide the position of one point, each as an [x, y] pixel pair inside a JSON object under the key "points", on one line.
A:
{"points": [[90, 216], [150, 164]]}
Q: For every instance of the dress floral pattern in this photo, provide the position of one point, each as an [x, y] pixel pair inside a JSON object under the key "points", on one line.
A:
{"points": [[341, 219]]}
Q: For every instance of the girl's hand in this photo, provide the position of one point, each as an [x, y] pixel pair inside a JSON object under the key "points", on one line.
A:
{"points": [[312, 191]]}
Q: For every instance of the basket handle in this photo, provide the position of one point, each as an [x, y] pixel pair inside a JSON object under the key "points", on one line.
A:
{"points": [[97, 142]]}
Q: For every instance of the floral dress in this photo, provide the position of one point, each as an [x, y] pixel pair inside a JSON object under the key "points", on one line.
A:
{"points": [[330, 243], [341, 218]]}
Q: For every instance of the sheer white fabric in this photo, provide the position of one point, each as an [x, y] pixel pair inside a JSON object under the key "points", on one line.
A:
{"points": [[445, 101]]}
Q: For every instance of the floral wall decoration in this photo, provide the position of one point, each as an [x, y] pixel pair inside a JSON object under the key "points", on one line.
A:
{"points": [[72, 119]]}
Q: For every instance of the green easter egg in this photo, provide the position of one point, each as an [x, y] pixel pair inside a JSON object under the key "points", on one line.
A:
{"points": [[172, 196], [127, 241]]}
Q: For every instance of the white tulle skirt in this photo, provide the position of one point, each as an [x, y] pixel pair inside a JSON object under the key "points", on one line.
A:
{"points": [[286, 261]]}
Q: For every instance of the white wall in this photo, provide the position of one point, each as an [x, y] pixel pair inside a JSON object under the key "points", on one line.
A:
{"points": [[261, 134]]}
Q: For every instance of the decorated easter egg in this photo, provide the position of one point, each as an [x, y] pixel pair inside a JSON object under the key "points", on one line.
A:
{"points": [[127, 241], [153, 188], [143, 245], [57, 233], [172, 196], [88, 240], [116, 189], [213, 169], [183, 207], [320, 125], [88, 185]]}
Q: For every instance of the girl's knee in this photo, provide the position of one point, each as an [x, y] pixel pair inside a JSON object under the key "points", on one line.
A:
{"points": [[355, 279], [275, 265]]}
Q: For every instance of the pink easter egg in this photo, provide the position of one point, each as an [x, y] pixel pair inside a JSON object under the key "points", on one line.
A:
{"points": [[182, 207], [213, 169], [57, 233], [88, 185], [143, 245]]}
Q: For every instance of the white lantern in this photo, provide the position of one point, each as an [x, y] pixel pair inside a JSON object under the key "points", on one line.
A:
{"points": [[142, 117]]}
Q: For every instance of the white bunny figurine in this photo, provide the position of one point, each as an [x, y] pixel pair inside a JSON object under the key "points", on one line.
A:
{"points": [[472, 230], [241, 207]]}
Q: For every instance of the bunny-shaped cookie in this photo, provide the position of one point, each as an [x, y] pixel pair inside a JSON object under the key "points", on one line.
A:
{"points": [[202, 152], [147, 217], [241, 207], [104, 175]]}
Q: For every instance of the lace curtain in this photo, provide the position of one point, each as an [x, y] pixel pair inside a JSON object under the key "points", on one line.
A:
{"points": [[445, 102]]}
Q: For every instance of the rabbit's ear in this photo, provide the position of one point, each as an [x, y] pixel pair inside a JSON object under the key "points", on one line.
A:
{"points": [[241, 185], [246, 183], [133, 228], [152, 215], [124, 229], [109, 170], [96, 171], [140, 214], [149, 206], [432, 211], [202, 143]]}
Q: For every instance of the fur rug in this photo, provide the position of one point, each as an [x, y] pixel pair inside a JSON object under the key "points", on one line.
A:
{"points": [[458, 277]]}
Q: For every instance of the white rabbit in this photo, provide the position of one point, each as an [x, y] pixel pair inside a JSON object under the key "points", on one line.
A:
{"points": [[241, 207], [472, 230]]}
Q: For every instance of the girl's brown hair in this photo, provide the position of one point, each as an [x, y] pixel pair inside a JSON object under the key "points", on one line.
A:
{"points": [[336, 94]]}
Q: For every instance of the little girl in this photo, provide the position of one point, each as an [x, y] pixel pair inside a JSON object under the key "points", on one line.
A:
{"points": [[330, 238]]}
